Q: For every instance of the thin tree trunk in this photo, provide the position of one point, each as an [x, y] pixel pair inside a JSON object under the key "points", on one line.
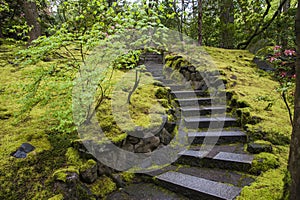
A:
{"points": [[200, 12], [283, 38], [294, 156], [194, 10], [227, 21], [31, 16], [1, 34]]}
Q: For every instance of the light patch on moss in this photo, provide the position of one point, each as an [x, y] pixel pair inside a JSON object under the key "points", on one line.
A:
{"points": [[103, 186]]}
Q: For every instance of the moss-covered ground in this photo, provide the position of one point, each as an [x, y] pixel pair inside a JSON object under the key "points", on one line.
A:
{"points": [[32, 177], [256, 87]]}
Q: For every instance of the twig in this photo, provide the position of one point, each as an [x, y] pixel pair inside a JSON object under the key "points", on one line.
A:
{"points": [[287, 106]]}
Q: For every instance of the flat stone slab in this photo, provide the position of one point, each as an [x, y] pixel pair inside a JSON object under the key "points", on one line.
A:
{"points": [[196, 154], [203, 108], [205, 119], [198, 111], [198, 187], [234, 157], [205, 122], [223, 136], [195, 101], [217, 134], [188, 93]]}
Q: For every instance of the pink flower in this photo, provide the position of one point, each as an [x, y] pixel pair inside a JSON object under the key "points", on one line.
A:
{"points": [[289, 52], [272, 59], [294, 76], [277, 54], [283, 74], [277, 47]]}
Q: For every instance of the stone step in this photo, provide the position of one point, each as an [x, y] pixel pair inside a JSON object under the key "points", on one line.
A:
{"points": [[177, 87], [189, 93], [159, 78], [167, 81], [195, 101], [206, 122], [235, 178], [224, 137], [197, 188], [222, 160], [199, 111]]}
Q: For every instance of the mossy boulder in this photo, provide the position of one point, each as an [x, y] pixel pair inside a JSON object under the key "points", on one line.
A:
{"points": [[69, 185], [259, 147], [88, 171], [103, 186], [65, 173], [263, 162]]}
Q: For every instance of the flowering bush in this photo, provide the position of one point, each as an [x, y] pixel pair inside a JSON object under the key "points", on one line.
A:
{"points": [[284, 72]]}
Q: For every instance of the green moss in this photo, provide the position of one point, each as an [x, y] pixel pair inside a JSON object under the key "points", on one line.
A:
{"points": [[262, 142], [127, 176], [57, 197], [162, 93], [103, 186], [263, 162], [88, 164], [251, 88], [116, 117], [62, 174], [73, 157], [268, 186]]}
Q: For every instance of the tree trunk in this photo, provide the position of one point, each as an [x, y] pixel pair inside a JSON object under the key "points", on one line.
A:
{"points": [[200, 12], [294, 156], [31, 16], [227, 21], [283, 38], [1, 34]]}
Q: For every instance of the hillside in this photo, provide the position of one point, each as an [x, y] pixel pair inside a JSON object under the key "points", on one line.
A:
{"points": [[32, 177]]}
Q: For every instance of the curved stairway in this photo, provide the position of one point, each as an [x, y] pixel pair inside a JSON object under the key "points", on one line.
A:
{"points": [[218, 174]]}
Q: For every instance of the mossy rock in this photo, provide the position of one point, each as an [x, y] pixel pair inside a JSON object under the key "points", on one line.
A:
{"points": [[103, 186], [162, 93], [260, 133], [243, 115], [263, 162], [259, 146], [62, 174], [88, 171]]}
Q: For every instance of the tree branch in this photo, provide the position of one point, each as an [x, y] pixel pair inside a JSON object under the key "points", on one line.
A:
{"points": [[258, 31]]}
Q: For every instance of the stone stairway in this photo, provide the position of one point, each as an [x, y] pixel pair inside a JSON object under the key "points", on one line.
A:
{"points": [[200, 173]]}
